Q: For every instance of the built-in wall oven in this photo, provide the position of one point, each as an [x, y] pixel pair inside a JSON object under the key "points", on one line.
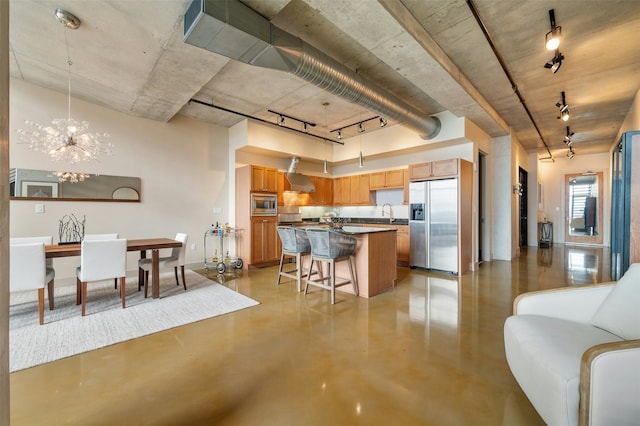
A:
{"points": [[264, 204]]}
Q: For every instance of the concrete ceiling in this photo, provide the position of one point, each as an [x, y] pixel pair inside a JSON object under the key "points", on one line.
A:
{"points": [[129, 56]]}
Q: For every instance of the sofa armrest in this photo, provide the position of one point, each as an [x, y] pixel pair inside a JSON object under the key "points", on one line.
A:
{"points": [[570, 303], [609, 384]]}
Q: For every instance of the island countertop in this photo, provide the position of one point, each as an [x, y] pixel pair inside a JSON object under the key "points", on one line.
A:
{"points": [[357, 230]]}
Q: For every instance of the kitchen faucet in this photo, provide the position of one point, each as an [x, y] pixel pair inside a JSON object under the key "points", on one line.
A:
{"points": [[391, 219]]}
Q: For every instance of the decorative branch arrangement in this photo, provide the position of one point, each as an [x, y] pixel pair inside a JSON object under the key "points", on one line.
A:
{"points": [[71, 229]]}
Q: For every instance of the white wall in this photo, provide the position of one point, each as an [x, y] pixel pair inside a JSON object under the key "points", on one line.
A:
{"points": [[183, 166], [632, 120], [502, 218]]}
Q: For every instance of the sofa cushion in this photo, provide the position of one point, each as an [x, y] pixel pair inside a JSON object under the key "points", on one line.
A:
{"points": [[544, 356], [619, 313]]}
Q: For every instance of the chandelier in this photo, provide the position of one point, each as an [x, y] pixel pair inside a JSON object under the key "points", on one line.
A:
{"points": [[66, 139]]}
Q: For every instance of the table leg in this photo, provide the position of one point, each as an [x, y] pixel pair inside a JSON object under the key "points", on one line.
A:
{"points": [[143, 255], [155, 273]]}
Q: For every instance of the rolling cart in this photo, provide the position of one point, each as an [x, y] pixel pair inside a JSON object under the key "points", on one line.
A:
{"points": [[216, 253]]}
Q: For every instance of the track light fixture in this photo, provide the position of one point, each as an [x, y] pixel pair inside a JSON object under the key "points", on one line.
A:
{"points": [[564, 108], [555, 63], [570, 153], [360, 124], [281, 117], [553, 37], [568, 136]]}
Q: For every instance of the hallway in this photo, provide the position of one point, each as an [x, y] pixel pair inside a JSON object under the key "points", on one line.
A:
{"points": [[429, 352]]}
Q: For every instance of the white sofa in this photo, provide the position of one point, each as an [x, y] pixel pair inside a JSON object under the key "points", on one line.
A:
{"points": [[575, 352]]}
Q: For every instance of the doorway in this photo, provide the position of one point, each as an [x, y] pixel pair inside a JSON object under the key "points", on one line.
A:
{"points": [[522, 180], [583, 208]]}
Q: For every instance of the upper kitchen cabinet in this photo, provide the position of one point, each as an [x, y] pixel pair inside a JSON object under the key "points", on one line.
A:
{"points": [[264, 179], [283, 185], [360, 190], [324, 190], [434, 169], [387, 180]]}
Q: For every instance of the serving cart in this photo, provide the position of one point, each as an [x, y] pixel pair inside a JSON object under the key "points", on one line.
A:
{"points": [[217, 249]]}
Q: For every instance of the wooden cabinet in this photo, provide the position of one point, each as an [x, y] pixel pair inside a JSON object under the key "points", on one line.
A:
{"points": [[264, 240], [337, 192], [360, 192], [387, 180], [324, 191], [402, 241], [434, 169], [405, 186], [264, 179], [283, 185]]}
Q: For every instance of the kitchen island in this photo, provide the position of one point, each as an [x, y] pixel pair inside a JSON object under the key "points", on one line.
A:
{"points": [[375, 260]]}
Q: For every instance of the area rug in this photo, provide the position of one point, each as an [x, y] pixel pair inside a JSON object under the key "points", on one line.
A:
{"points": [[66, 333]]}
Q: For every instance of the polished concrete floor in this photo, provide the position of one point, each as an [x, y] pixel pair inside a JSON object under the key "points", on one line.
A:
{"points": [[429, 352]]}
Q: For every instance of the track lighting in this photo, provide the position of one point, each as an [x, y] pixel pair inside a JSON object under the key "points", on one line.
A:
{"points": [[360, 124], [553, 37], [570, 153], [281, 117], [360, 160], [568, 136], [564, 108], [555, 63]]}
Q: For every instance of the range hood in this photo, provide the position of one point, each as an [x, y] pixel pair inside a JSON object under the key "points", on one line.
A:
{"points": [[298, 182]]}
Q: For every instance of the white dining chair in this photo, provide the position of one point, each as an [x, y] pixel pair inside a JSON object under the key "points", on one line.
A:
{"points": [[28, 271], [175, 259], [101, 260], [47, 241], [96, 237]]}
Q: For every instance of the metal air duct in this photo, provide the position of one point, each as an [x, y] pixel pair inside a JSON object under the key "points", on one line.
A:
{"points": [[230, 28], [298, 182]]}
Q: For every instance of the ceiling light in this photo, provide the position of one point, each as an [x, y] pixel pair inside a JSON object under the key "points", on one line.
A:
{"points": [[66, 138], [281, 121], [340, 134], [360, 127], [568, 136], [304, 128], [564, 108], [570, 153], [360, 160], [555, 63], [383, 122], [553, 37]]}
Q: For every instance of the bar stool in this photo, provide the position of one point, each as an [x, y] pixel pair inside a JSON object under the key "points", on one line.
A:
{"points": [[331, 247], [295, 243]]}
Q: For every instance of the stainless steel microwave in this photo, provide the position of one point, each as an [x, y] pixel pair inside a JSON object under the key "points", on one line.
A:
{"points": [[264, 205]]}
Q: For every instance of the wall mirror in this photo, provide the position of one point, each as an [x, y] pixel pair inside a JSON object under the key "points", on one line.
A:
{"points": [[27, 184], [584, 207]]}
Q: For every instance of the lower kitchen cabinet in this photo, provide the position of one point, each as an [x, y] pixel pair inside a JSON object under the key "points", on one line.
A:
{"points": [[402, 243], [265, 244]]}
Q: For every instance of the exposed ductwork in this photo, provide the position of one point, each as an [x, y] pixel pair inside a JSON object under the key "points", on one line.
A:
{"points": [[231, 29], [298, 182]]}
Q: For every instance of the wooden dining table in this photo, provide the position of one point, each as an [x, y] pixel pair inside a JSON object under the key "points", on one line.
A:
{"points": [[142, 245]]}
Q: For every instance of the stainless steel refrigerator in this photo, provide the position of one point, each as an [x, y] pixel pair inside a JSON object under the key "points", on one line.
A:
{"points": [[433, 225]]}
